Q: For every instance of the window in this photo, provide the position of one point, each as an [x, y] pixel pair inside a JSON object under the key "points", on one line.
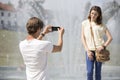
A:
{"points": [[9, 23], [2, 22], [15, 23], [9, 14], [2, 14]]}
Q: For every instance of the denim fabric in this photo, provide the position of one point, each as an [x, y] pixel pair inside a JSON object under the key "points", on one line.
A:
{"points": [[90, 68]]}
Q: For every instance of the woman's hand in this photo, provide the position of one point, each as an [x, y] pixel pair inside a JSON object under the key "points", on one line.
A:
{"points": [[90, 55], [100, 48]]}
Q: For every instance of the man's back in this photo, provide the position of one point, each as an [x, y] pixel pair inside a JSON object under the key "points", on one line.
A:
{"points": [[34, 53]]}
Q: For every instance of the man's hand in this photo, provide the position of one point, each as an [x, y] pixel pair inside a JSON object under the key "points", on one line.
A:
{"points": [[47, 29], [61, 30]]}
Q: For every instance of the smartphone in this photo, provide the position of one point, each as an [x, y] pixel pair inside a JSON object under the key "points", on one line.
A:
{"points": [[55, 28]]}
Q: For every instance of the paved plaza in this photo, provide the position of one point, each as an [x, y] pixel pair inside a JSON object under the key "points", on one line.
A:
{"points": [[13, 73]]}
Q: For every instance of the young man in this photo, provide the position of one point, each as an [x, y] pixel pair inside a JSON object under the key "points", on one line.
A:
{"points": [[35, 50]]}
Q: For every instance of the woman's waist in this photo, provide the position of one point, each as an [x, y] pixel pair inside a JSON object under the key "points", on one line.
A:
{"points": [[93, 48]]}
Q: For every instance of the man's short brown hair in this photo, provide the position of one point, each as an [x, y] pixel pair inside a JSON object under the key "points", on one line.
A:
{"points": [[33, 25]]}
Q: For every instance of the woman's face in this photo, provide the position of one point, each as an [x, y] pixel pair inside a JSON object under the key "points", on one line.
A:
{"points": [[94, 15]]}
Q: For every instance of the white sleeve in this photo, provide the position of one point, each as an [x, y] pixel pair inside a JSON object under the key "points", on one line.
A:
{"points": [[49, 47], [104, 27]]}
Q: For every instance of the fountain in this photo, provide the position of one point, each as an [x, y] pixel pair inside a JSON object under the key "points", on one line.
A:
{"points": [[70, 63]]}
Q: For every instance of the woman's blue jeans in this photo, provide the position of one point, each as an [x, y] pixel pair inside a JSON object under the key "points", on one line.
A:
{"points": [[90, 68]]}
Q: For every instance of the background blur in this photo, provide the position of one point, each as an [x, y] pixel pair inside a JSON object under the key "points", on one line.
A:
{"points": [[67, 13]]}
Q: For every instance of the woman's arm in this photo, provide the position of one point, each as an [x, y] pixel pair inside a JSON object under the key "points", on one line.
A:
{"points": [[109, 38], [89, 53], [83, 39]]}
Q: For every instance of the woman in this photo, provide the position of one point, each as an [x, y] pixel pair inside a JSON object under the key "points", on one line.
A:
{"points": [[99, 29]]}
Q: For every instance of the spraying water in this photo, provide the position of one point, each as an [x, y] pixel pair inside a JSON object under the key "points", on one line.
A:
{"points": [[72, 60]]}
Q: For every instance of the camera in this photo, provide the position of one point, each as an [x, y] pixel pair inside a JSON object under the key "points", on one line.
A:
{"points": [[55, 28]]}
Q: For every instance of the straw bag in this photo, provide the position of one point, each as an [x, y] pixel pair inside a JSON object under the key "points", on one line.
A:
{"points": [[103, 55]]}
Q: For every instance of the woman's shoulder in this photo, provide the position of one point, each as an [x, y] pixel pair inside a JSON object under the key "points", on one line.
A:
{"points": [[85, 21], [103, 25]]}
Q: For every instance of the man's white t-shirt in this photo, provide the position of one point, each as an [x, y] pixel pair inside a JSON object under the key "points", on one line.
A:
{"points": [[34, 54]]}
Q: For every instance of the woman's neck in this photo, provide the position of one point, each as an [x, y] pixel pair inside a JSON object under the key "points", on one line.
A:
{"points": [[92, 20]]}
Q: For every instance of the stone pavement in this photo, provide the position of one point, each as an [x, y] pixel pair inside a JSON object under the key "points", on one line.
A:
{"points": [[13, 73]]}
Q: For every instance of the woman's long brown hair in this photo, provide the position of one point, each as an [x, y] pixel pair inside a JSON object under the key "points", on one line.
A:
{"points": [[99, 18]]}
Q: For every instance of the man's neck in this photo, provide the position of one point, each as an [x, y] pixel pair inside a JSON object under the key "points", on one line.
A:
{"points": [[30, 37]]}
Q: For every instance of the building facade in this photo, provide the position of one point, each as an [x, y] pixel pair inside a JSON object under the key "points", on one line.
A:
{"points": [[7, 17]]}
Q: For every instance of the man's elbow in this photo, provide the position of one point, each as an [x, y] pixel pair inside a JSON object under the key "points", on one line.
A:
{"points": [[57, 49], [111, 39], [60, 49]]}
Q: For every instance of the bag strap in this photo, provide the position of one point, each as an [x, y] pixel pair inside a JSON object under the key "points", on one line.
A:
{"points": [[92, 34]]}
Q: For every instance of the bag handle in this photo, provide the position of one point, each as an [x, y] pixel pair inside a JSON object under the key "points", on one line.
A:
{"points": [[92, 34]]}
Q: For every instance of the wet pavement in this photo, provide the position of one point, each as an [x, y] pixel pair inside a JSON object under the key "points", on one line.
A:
{"points": [[13, 73]]}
